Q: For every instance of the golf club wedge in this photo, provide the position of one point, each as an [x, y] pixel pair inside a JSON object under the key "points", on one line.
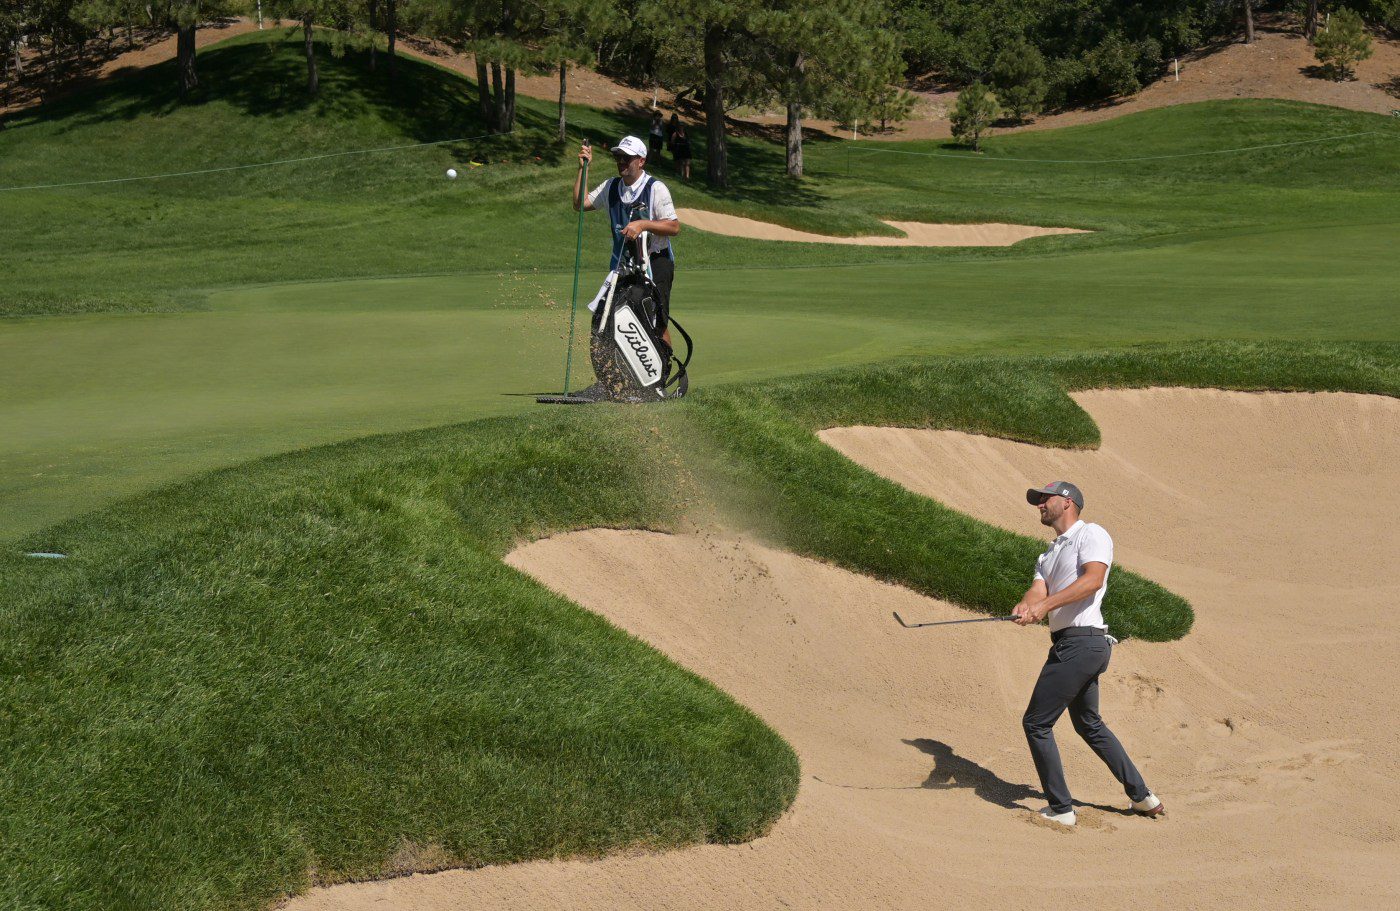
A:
{"points": [[948, 622]]}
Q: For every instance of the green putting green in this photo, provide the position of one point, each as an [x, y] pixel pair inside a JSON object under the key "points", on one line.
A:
{"points": [[103, 405]]}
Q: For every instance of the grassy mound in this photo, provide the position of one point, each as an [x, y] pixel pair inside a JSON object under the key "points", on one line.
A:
{"points": [[315, 667]]}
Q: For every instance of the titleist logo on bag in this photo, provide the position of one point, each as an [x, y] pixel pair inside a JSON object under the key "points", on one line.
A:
{"points": [[636, 346]]}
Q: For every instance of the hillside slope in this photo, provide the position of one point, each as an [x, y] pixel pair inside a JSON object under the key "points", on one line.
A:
{"points": [[1280, 64]]}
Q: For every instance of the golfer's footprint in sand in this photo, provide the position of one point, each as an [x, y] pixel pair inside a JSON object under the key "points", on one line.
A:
{"points": [[1142, 689], [1087, 819]]}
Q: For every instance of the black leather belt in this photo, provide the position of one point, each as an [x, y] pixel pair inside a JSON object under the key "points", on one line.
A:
{"points": [[1077, 631]]}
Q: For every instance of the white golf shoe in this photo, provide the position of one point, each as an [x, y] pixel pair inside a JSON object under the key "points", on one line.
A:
{"points": [[1064, 819], [1149, 806]]}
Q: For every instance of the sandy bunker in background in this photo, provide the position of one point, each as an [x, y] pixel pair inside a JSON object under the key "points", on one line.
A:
{"points": [[1269, 730], [917, 233]]}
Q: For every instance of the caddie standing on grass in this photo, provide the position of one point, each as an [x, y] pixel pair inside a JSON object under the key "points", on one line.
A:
{"points": [[1070, 580], [620, 194]]}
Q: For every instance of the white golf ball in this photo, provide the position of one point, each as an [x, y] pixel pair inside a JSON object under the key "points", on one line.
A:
{"points": [[451, 173]]}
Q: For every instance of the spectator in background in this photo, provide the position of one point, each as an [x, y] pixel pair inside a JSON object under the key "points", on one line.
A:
{"points": [[656, 140], [680, 150], [671, 125]]}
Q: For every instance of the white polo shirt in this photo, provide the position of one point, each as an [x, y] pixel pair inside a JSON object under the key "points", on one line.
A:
{"points": [[663, 208], [1063, 563]]}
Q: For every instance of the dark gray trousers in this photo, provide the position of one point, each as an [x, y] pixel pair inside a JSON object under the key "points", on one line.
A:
{"points": [[1070, 680], [663, 272]]}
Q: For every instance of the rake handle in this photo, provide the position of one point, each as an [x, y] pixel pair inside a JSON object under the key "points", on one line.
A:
{"points": [[578, 257]]}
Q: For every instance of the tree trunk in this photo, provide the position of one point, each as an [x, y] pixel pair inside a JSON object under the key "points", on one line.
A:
{"points": [[507, 105], [563, 94], [184, 54], [483, 93], [498, 101], [312, 82], [508, 109], [19, 63], [130, 37], [392, 28], [1248, 21], [794, 139], [373, 38], [1310, 24], [797, 78], [717, 163]]}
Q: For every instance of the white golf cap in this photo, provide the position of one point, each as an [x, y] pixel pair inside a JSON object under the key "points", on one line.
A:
{"points": [[631, 145]]}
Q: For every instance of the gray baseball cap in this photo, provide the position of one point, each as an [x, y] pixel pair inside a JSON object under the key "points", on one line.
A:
{"points": [[1055, 489]]}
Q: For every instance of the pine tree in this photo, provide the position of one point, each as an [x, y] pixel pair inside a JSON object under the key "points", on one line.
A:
{"points": [[566, 32], [832, 56], [1344, 43], [711, 43], [1019, 78], [308, 13], [974, 114]]}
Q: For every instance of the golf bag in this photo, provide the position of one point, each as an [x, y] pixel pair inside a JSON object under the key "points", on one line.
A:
{"points": [[631, 359]]}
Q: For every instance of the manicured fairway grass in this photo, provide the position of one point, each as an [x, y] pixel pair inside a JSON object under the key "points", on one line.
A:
{"points": [[314, 667], [1293, 242]]}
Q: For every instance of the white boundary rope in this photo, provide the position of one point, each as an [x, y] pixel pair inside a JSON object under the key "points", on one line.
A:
{"points": [[974, 157], [246, 167]]}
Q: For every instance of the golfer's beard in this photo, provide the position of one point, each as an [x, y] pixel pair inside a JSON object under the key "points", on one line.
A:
{"points": [[1046, 519]]}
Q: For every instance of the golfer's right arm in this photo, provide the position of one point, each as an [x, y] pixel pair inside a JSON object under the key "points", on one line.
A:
{"points": [[585, 155]]}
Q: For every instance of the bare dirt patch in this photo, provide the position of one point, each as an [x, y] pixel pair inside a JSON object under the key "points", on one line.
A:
{"points": [[1279, 64]]}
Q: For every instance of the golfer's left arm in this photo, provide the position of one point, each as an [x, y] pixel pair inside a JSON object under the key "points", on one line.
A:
{"points": [[1089, 581]]}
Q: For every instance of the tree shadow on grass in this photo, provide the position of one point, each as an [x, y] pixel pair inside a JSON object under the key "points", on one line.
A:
{"points": [[264, 76], [952, 771], [61, 71]]}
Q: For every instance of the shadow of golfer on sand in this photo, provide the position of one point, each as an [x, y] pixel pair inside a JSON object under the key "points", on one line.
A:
{"points": [[953, 771]]}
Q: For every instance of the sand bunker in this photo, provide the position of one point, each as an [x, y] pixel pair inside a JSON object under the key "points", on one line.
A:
{"points": [[1269, 731], [917, 233]]}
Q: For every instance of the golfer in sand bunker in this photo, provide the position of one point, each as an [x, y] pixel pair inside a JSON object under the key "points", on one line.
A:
{"points": [[1070, 580]]}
